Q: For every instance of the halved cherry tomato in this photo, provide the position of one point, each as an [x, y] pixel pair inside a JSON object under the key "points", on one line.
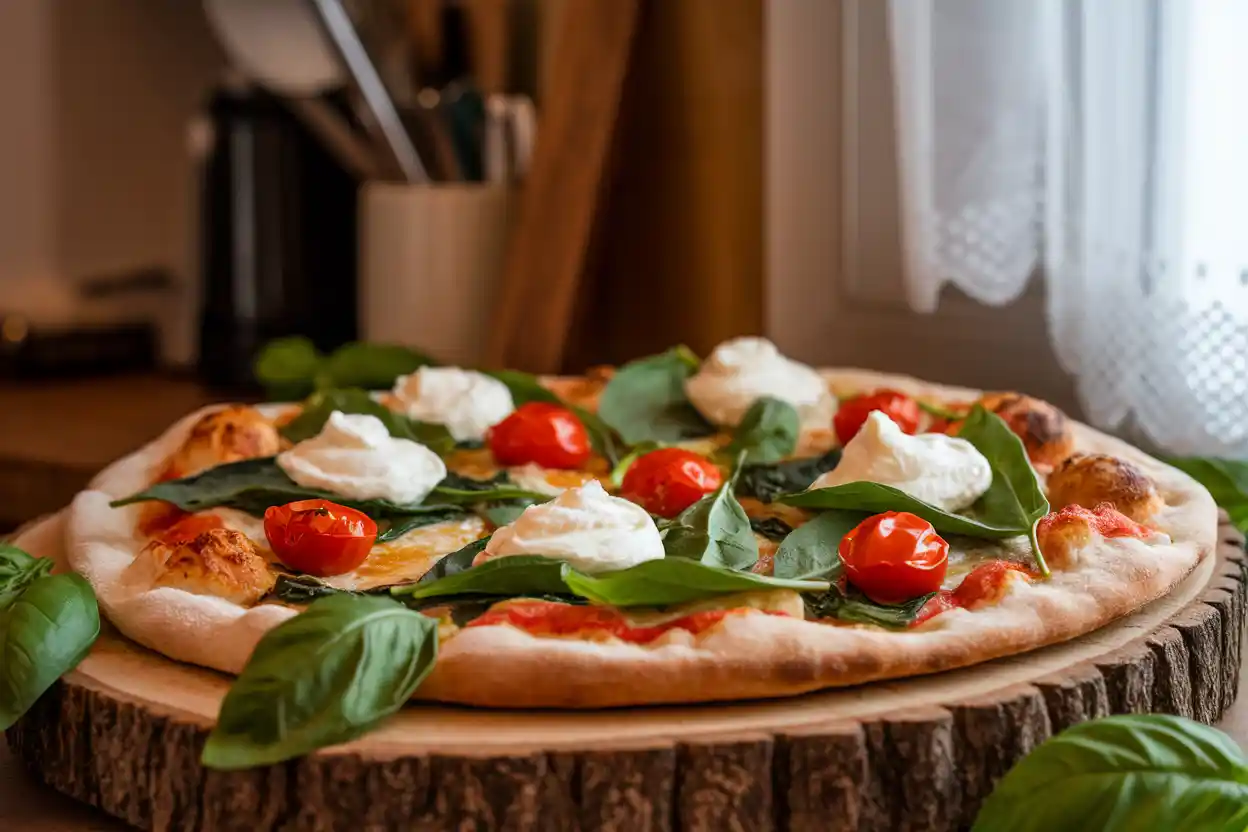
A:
{"points": [[540, 432], [895, 556], [667, 481], [319, 537], [853, 413]]}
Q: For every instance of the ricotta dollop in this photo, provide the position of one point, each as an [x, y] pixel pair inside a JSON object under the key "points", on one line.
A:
{"points": [[468, 403], [941, 470], [584, 526], [355, 457], [742, 371]]}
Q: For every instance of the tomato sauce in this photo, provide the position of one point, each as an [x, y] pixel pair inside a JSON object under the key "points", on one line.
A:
{"points": [[1104, 518], [981, 584]]}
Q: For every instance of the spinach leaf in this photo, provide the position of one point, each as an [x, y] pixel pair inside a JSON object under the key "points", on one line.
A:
{"points": [[526, 388], [715, 530], [811, 551], [458, 561], [304, 589], [392, 528], [287, 367], [317, 409], [507, 577], [772, 528], [660, 583], [44, 632], [852, 605], [645, 400], [768, 431], [1227, 481], [371, 366], [328, 675], [767, 482], [1120, 773], [17, 571]]}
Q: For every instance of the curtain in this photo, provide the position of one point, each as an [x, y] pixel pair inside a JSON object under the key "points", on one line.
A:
{"points": [[1104, 145]]}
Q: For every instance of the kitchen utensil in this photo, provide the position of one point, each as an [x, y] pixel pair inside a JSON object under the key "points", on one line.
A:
{"points": [[510, 133], [276, 43]]}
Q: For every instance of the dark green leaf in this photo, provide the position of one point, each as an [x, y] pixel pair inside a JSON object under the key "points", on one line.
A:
{"points": [[772, 528], [317, 409], [811, 551], [1122, 774], [526, 388], [17, 571], [507, 577], [371, 366], [768, 431], [472, 496], [873, 498], [392, 528], [505, 512], [715, 530], [287, 368], [326, 676], [770, 481], [44, 632], [853, 606], [660, 583], [458, 561], [645, 400], [464, 609], [304, 589], [1227, 481]]}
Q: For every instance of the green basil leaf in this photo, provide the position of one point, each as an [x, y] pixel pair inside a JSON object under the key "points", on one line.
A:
{"points": [[715, 530], [464, 609], [392, 528], [873, 498], [767, 482], [1122, 773], [287, 367], [505, 512], [526, 388], [939, 412], [646, 401], [812, 550], [17, 571], [326, 676], [317, 409], [660, 583], [1227, 481], [44, 633], [852, 605], [768, 431], [458, 561], [507, 577], [371, 366], [304, 589], [772, 528], [471, 496]]}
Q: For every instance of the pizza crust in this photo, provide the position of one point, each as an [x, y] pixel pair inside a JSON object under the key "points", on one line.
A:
{"points": [[746, 656]]}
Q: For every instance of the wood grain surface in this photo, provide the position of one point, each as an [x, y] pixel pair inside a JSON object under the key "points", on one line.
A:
{"points": [[123, 732]]}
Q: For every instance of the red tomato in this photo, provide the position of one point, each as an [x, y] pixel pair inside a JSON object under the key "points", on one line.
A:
{"points": [[853, 413], [985, 582], [539, 432], [667, 481], [319, 537], [895, 556]]}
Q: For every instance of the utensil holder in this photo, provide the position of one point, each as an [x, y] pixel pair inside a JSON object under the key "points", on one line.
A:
{"points": [[431, 257]]}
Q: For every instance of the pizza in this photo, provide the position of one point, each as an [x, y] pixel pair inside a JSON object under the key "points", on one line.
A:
{"points": [[673, 530]]}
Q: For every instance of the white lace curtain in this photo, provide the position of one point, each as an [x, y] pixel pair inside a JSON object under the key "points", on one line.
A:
{"points": [[1103, 144]]}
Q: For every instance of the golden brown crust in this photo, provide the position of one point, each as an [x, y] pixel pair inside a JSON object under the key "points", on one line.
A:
{"points": [[231, 434], [219, 562], [1091, 479], [1045, 430]]}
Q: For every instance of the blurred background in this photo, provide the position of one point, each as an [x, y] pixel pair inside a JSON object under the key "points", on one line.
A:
{"points": [[1042, 195]]}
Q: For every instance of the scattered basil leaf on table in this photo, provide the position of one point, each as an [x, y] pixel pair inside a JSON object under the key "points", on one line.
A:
{"points": [[318, 407], [851, 605], [768, 431], [660, 583], [17, 571], [1227, 481], [45, 631], [1122, 774], [326, 676], [772, 528], [715, 530], [504, 576], [768, 481], [287, 367], [645, 401], [526, 388], [812, 549]]}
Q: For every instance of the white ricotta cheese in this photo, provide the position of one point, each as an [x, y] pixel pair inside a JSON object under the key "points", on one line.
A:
{"points": [[945, 471], [584, 526], [355, 457], [468, 403], [742, 371]]}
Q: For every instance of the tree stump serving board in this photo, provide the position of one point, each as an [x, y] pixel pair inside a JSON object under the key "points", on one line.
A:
{"points": [[124, 731]]}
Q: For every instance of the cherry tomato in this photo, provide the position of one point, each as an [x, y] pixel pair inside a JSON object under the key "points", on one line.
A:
{"points": [[667, 481], [540, 432], [853, 413], [319, 537], [895, 556]]}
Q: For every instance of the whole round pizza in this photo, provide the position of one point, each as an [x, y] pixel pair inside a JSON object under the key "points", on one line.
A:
{"points": [[674, 530]]}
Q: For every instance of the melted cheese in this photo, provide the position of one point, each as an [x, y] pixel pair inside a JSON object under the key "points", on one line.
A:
{"points": [[411, 556]]}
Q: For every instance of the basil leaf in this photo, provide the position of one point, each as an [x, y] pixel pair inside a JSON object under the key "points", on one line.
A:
{"points": [[470, 496], [463, 609], [371, 366], [303, 589], [1226, 480], [526, 388], [44, 633], [939, 412], [326, 676], [317, 409], [17, 571], [392, 528], [852, 605], [812, 550], [873, 498], [715, 530], [505, 512], [767, 482], [458, 561], [646, 401], [660, 583], [772, 528], [768, 431], [1149, 771], [287, 367], [507, 576]]}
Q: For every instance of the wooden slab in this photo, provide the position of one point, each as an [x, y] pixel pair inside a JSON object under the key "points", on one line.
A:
{"points": [[124, 732]]}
